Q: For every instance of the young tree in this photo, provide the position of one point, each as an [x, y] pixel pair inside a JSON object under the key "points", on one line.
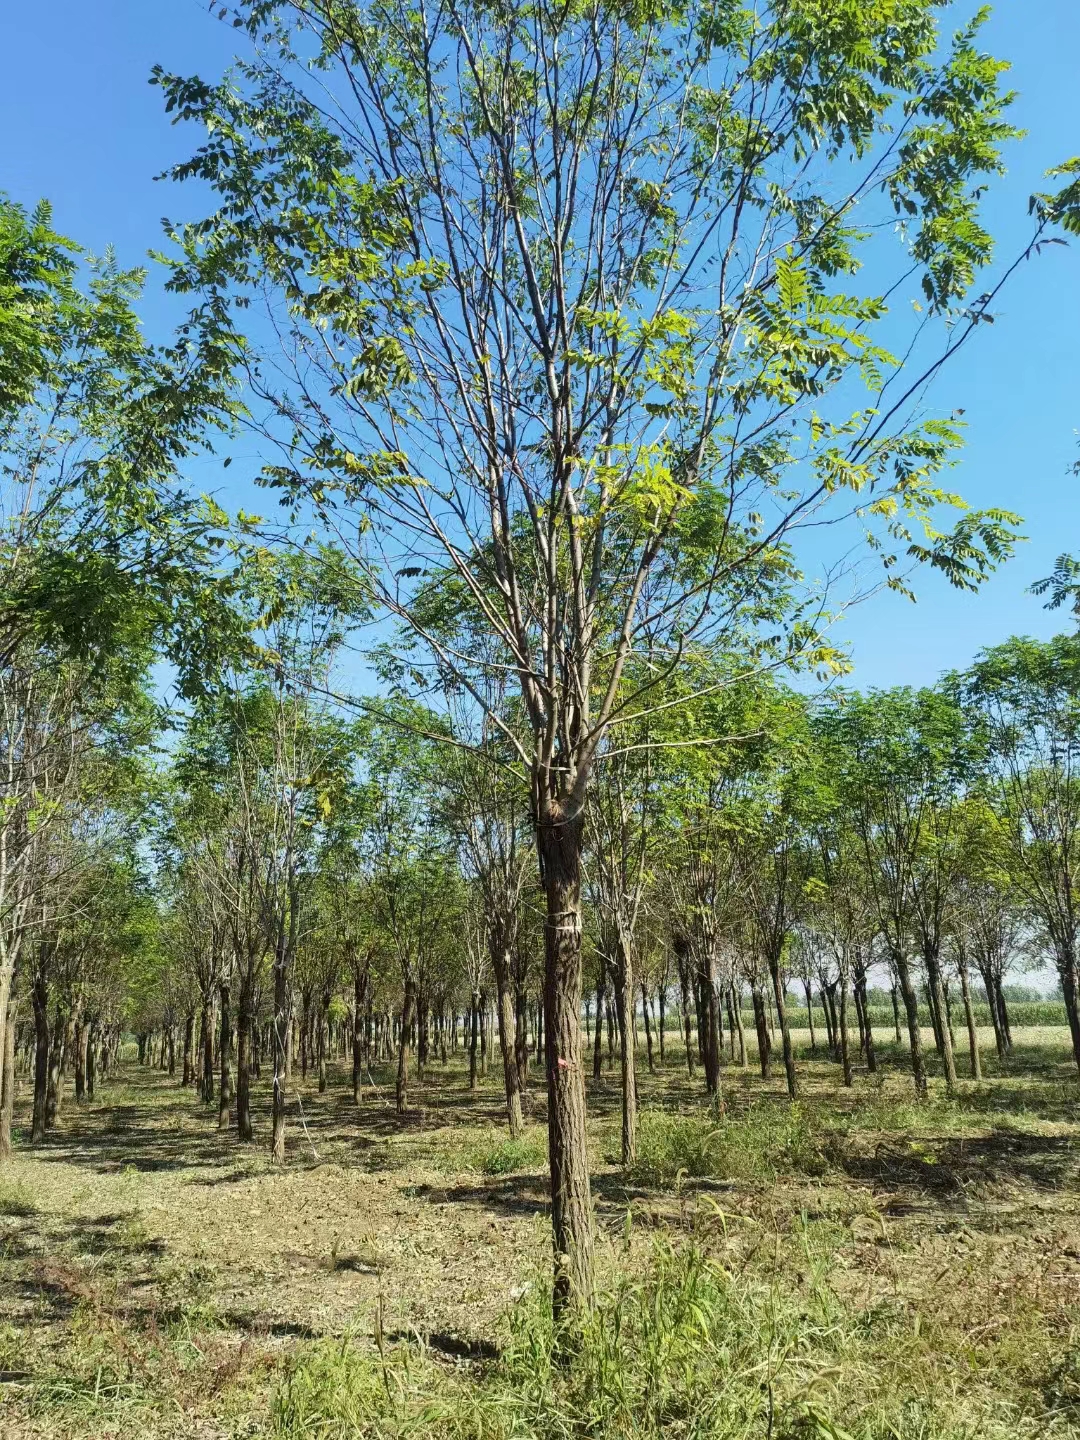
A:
{"points": [[566, 303]]}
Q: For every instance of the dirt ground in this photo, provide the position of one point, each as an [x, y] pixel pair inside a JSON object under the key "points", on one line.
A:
{"points": [[155, 1274]]}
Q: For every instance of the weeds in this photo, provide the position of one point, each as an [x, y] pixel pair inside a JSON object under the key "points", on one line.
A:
{"points": [[16, 1202], [760, 1144]]}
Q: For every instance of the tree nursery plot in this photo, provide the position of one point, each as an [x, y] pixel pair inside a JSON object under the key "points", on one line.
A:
{"points": [[854, 1265], [477, 959]]}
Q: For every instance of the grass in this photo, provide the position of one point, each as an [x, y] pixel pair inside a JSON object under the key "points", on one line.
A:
{"points": [[856, 1265]]}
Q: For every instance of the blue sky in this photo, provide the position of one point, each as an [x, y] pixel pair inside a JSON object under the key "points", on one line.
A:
{"points": [[82, 127]]}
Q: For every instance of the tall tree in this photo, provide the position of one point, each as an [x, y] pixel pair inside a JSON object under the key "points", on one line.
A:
{"points": [[566, 300]]}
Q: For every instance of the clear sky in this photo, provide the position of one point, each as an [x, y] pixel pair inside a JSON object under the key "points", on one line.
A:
{"points": [[80, 125]]}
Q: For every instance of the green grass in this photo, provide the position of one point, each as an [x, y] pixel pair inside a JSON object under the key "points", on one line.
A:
{"points": [[16, 1202], [689, 1349], [761, 1144]]}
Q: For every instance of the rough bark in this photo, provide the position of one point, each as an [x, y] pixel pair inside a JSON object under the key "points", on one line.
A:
{"points": [[559, 844]]}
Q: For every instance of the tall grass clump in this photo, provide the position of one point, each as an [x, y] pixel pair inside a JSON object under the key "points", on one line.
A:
{"points": [[684, 1352], [763, 1142], [682, 1348]]}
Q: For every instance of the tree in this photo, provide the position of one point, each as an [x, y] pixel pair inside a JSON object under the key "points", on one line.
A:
{"points": [[101, 549], [1025, 695], [566, 305], [904, 759]]}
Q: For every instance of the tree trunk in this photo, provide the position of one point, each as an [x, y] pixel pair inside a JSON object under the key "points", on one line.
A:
{"points": [[1067, 970], [324, 1039], [359, 1001], [894, 993], [661, 1007], [507, 1019], [54, 1091], [189, 1036], [785, 1029], [648, 1029], [736, 1005], [224, 1058], [243, 1064], [711, 1052], [598, 1038], [79, 1041], [474, 1040], [40, 996], [521, 1040], [764, 1043], [845, 1046], [809, 992], [624, 1006], [7, 1079], [682, 962], [559, 845], [407, 1013], [281, 1039], [860, 1017], [969, 1016], [911, 1009], [871, 1052], [91, 1062], [933, 970]]}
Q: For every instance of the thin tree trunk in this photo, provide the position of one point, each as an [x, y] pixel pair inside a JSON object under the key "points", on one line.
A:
{"points": [[79, 1041], [648, 1029], [408, 1011], [624, 1006], [40, 995], [969, 1016], [764, 1043], [785, 1029], [845, 1045], [933, 970], [359, 990], [871, 1051], [189, 1036], [736, 1005], [7, 1080], [911, 1009], [224, 1058], [507, 1019], [243, 1064], [808, 989], [91, 1062], [474, 1040], [661, 1006], [598, 1037], [281, 1039]]}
